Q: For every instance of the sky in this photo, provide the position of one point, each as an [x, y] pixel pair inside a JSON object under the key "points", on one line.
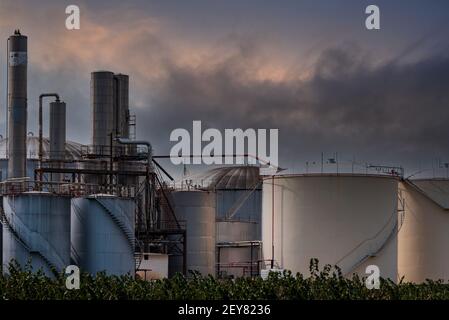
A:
{"points": [[308, 68]]}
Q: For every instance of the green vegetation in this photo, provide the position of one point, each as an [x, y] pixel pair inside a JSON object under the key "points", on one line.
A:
{"points": [[327, 283]]}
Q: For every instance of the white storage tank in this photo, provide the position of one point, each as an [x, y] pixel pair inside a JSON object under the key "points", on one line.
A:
{"points": [[102, 234], [344, 220], [197, 209], [238, 191], [424, 235], [36, 225]]}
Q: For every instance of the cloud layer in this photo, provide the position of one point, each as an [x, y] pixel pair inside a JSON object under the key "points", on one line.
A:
{"points": [[384, 110]]}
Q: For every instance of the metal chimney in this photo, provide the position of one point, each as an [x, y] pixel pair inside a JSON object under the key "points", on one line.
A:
{"points": [[17, 104]]}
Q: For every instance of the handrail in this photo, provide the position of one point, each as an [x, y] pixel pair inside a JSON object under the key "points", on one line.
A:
{"points": [[129, 234], [372, 253], [18, 186], [237, 205], [35, 238]]}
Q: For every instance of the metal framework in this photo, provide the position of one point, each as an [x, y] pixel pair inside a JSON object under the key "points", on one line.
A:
{"points": [[250, 268], [152, 234]]}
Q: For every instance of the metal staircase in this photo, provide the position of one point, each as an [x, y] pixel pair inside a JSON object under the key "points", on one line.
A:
{"points": [[390, 233], [76, 258], [4, 220], [238, 204], [129, 234], [138, 257]]}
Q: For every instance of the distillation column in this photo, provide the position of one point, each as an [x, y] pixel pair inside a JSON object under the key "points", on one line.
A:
{"points": [[17, 104], [57, 136]]}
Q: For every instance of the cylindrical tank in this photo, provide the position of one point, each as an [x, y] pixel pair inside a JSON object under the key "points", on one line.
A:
{"points": [[238, 190], [102, 99], [238, 194], [57, 136], [37, 226], [197, 209], [17, 104], [424, 236], [102, 234], [238, 250], [344, 220]]}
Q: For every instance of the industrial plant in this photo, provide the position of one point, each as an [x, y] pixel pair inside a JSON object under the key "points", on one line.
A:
{"points": [[111, 206]]}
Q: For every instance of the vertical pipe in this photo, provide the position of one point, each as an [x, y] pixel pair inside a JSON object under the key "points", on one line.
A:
{"points": [[111, 162], [272, 222], [322, 162], [218, 261], [251, 266], [336, 160], [7, 93], [184, 254], [17, 104]]}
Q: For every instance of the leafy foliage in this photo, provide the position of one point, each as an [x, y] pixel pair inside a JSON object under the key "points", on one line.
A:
{"points": [[325, 284]]}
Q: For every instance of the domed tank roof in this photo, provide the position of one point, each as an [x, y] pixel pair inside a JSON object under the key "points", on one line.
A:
{"points": [[73, 149], [228, 178]]}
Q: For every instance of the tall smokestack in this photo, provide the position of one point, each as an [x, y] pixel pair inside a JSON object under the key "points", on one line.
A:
{"points": [[17, 104], [102, 99]]}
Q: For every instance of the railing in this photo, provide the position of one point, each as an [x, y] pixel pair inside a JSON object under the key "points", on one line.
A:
{"points": [[17, 186], [247, 268], [117, 150], [32, 241]]}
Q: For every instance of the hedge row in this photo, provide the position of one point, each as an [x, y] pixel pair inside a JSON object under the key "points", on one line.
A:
{"points": [[325, 283]]}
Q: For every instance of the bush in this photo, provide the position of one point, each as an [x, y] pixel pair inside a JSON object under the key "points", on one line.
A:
{"points": [[325, 284]]}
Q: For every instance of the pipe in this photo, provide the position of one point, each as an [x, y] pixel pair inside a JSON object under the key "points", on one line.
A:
{"points": [[223, 156], [139, 142], [7, 95], [272, 222], [41, 150]]}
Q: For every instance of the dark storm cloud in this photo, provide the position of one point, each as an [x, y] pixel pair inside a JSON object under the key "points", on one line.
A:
{"points": [[384, 112], [383, 97]]}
